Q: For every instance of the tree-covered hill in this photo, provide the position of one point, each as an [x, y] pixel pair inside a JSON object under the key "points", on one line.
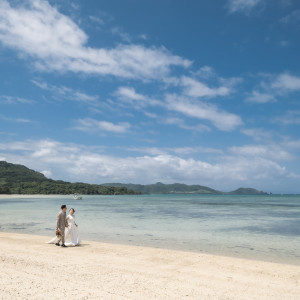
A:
{"points": [[179, 188], [160, 188], [247, 191], [18, 179]]}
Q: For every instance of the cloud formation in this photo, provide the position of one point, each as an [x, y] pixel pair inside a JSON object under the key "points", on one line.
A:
{"points": [[258, 97], [16, 120], [274, 86], [195, 88], [286, 82], [15, 100], [186, 105], [291, 18], [242, 5], [229, 171], [129, 93], [200, 110], [56, 43], [63, 92], [100, 127], [289, 118]]}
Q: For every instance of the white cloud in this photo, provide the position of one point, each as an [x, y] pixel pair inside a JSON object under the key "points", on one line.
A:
{"points": [[6, 133], [92, 125], [22, 120], [292, 18], [195, 88], [257, 134], [272, 152], [47, 173], [186, 106], [284, 43], [258, 97], [129, 93], [143, 36], [14, 100], [242, 5], [97, 20], [197, 149], [181, 124], [273, 86], [17, 120], [289, 118], [150, 115], [286, 82], [294, 144], [148, 150], [205, 72], [220, 119], [178, 151], [63, 92], [123, 35], [263, 171], [56, 43]]}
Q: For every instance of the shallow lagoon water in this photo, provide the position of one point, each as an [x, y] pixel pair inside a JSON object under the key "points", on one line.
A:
{"points": [[263, 227]]}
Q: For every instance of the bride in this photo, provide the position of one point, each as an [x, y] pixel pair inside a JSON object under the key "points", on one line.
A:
{"points": [[71, 232]]}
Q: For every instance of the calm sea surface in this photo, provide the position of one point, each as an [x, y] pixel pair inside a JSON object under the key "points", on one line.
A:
{"points": [[256, 227]]}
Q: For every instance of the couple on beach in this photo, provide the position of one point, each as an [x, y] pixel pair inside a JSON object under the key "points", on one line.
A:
{"points": [[66, 229]]}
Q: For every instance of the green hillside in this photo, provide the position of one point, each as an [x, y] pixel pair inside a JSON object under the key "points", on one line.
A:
{"points": [[247, 191], [160, 188], [179, 188], [18, 179]]}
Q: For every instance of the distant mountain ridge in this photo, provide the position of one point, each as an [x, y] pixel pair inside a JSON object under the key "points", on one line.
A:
{"points": [[18, 179], [180, 188]]}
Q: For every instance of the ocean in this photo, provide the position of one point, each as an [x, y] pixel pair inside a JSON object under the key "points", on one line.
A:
{"points": [[263, 227]]}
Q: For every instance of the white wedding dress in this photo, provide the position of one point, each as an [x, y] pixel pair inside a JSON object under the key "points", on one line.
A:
{"points": [[71, 233]]}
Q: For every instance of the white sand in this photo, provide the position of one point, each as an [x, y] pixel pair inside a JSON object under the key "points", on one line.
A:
{"points": [[37, 196], [31, 269]]}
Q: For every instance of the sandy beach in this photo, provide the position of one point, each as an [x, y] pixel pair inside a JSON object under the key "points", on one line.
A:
{"points": [[26, 196], [32, 269]]}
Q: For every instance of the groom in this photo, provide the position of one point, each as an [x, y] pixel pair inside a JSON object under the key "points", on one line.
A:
{"points": [[61, 224]]}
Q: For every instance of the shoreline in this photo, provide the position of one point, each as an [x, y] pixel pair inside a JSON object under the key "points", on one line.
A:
{"points": [[56, 195], [100, 270], [282, 250], [227, 254], [28, 195], [276, 249]]}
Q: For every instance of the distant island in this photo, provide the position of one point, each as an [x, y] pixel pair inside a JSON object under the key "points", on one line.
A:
{"points": [[180, 188], [18, 179]]}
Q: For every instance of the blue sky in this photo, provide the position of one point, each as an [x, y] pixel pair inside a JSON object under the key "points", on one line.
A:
{"points": [[133, 91]]}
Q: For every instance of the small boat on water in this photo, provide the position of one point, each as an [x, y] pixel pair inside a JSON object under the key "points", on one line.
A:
{"points": [[77, 197]]}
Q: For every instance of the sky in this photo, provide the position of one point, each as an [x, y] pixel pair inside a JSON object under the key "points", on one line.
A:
{"points": [[136, 91]]}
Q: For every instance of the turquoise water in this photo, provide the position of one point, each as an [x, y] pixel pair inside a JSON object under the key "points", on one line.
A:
{"points": [[256, 227]]}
